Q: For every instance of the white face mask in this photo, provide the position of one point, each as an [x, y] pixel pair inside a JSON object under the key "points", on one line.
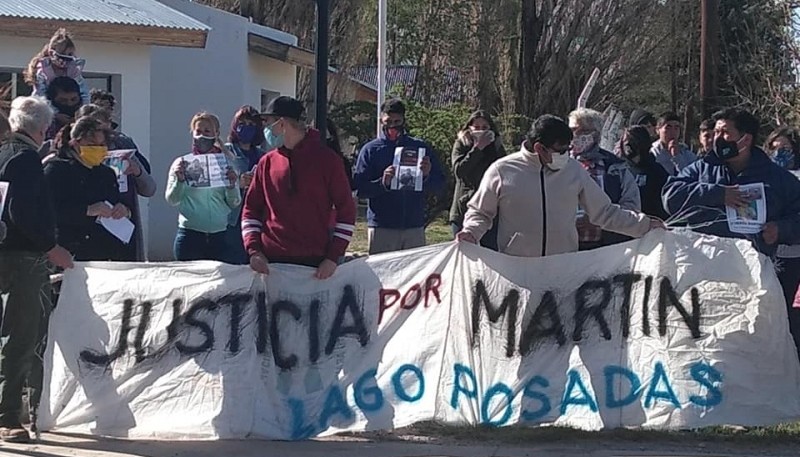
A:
{"points": [[478, 134], [582, 143], [559, 161]]}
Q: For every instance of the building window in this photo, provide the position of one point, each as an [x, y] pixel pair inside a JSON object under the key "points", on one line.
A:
{"points": [[266, 97], [13, 79]]}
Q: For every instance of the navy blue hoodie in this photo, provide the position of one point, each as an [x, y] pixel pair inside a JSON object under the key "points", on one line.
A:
{"points": [[393, 209], [699, 190]]}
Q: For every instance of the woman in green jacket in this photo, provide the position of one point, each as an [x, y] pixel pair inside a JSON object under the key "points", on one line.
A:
{"points": [[203, 208], [478, 145]]}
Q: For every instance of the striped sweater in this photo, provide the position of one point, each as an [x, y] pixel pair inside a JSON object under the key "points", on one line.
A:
{"points": [[289, 204]]}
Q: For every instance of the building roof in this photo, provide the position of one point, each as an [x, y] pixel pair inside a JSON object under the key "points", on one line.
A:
{"points": [[405, 77], [150, 13], [137, 21]]}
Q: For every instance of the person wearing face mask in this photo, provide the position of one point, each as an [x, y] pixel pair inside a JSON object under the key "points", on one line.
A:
{"points": [[668, 150], [64, 94], [297, 188], [477, 146], [609, 172], [395, 218], [533, 194], [138, 182], [650, 177], [699, 195], [245, 144], [82, 190], [783, 147], [29, 244], [203, 211]]}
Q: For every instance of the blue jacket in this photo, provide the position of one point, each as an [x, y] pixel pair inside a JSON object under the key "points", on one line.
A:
{"points": [[699, 191], [394, 209]]}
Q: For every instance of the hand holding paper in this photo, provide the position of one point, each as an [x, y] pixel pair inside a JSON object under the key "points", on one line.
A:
{"points": [[121, 228]]}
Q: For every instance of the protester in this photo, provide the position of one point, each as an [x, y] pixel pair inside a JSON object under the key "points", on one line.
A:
{"points": [[29, 243], [56, 59], [699, 195], [534, 193], [670, 153], [706, 138], [646, 120], [296, 187], [134, 177], [783, 147], [84, 190], [103, 99], [203, 210], [64, 94], [244, 143], [477, 146], [396, 212], [650, 176], [609, 172]]}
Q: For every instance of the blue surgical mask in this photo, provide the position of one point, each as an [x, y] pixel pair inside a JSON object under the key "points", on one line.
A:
{"points": [[245, 133], [784, 157], [272, 141]]}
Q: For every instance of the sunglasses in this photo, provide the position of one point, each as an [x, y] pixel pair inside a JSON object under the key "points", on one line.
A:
{"points": [[64, 57]]}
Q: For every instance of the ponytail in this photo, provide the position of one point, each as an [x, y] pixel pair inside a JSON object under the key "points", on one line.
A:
{"points": [[62, 140]]}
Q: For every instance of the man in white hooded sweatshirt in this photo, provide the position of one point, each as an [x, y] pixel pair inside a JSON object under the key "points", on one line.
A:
{"points": [[535, 194]]}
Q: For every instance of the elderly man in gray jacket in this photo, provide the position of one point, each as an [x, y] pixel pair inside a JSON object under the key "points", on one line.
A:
{"points": [[610, 172], [535, 192]]}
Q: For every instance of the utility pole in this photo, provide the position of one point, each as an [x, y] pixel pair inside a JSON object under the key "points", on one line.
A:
{"points": [[709, 54], [321, 67], [382, 6]]}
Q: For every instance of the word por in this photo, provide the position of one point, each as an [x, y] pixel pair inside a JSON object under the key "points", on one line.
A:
{"points": [[412, 297]]}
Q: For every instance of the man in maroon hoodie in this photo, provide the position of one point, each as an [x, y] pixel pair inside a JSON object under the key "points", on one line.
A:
{"points": [[296, 187]]}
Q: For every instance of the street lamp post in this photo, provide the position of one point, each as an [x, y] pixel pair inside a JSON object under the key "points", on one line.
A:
{"points": [[381, 58], [321, 81]]}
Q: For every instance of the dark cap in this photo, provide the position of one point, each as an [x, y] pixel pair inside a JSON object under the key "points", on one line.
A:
{"points": [[284, 106]]}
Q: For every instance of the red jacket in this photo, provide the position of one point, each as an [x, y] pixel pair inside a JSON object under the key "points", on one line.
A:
{"points": [[288, 206]]}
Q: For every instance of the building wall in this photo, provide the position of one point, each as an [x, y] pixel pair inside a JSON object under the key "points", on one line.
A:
{"points": [[220, 78], [130, 66]]}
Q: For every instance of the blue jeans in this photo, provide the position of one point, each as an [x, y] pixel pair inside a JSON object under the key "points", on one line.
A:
{"points": [[193, 245], [489, 240], [236, 253]]}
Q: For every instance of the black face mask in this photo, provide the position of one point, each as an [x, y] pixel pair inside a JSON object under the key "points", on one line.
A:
{"points": [[68, 110], [726, 150]]}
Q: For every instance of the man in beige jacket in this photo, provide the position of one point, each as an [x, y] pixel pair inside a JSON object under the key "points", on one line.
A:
{"points": [[535, 194]]}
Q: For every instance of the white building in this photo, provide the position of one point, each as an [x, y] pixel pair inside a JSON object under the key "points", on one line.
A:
{"points": [[164, 60]]}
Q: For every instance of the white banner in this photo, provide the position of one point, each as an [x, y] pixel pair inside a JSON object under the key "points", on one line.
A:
{"points": [[672, 331]]}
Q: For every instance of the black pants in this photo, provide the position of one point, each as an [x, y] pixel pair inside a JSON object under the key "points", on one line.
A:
{"points": [[25, 285], [789, 276]]}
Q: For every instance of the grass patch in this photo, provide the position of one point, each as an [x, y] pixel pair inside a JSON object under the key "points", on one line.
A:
{"points": [[437, 232]]}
